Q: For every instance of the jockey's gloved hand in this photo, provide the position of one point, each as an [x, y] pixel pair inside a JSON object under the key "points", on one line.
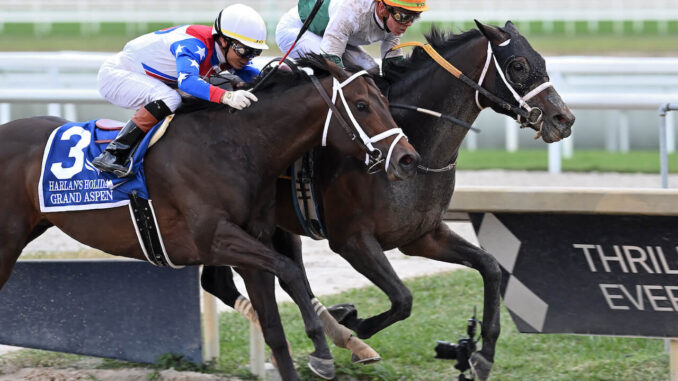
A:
{"points": [[335, 59], [238, 99], [386, 63]]}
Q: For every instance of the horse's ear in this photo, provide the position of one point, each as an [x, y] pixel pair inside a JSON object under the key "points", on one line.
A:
{"points": [[509, 26], [492, 33], [336, 71]]}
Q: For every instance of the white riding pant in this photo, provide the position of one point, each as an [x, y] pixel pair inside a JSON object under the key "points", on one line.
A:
{"points": [[123, 86], [287, 30], [289, 27]]}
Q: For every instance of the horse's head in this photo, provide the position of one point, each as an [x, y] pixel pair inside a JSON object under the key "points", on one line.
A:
{"points": [[368, 121], [521, 75]]}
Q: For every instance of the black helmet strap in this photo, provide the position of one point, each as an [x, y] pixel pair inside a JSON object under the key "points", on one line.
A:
{"points": [[217, 24]]}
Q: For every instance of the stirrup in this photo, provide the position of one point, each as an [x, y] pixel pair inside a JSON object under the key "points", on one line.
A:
{"points": [[127, 172]]}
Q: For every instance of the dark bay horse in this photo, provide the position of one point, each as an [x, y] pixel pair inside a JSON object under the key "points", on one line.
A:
{"points": [[212, 179], [408, 215]]}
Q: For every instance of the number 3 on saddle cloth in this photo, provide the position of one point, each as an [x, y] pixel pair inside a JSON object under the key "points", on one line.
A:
{"points": [[69, 182]]}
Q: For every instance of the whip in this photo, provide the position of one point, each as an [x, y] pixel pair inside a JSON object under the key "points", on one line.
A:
{"points": [[304, 28]]}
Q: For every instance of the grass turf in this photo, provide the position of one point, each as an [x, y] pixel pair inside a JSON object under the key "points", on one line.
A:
{"points": [[581, 161], [113, 36], [442, 303]]}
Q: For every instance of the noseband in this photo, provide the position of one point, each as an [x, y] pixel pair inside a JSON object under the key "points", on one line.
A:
{"points": [[373, 156]]}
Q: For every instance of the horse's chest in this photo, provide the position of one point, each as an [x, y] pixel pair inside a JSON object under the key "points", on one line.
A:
{"points": [[420, 198], [412, 212]]}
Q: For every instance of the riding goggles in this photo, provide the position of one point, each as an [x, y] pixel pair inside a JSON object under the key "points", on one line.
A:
{"points": [[245, 51], [401, 16]]}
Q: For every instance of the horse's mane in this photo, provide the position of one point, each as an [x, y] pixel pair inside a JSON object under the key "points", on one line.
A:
{"points": [[440, 40], [279, 81]]}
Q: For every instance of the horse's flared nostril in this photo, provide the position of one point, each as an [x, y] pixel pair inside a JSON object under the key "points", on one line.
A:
{"points": [[406, 161], [408, 165], [564, 120]]}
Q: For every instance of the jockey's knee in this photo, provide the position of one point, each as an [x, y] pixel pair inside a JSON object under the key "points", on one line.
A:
{"points": [[172, 100]]}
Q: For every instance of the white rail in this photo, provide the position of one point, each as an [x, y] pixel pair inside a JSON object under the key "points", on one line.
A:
{"points": [[585, 83], [126, 11]]}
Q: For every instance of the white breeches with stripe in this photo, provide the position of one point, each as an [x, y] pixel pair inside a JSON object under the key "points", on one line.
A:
{"points": [[121, 85]]}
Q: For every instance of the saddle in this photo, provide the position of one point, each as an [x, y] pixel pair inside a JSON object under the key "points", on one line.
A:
{"points": [[116, 125], [306, 206], [141, 209]]}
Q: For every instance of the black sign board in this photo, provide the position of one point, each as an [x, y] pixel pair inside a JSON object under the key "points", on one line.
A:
{"points": [[586, 274], [127, 310]]}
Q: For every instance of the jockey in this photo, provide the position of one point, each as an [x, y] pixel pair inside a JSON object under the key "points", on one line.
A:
{"points": [[341, 26], [150, 70]]}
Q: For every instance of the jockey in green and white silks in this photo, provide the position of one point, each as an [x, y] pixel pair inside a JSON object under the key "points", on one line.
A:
{"points": [[342, 26]]}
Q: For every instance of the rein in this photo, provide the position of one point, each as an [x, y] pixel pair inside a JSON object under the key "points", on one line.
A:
{"points": [[530, 116], [436, 114], [373, 156]]}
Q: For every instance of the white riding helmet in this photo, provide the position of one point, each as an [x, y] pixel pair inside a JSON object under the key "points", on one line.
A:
{"points": [[242, 23]]}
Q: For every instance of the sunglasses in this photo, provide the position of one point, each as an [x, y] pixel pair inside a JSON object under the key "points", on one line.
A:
{"points": [[245, 51], [402, 17]]}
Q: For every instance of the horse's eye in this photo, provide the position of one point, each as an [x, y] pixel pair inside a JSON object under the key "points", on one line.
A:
{"points": [[362, 106], [518, 71]]}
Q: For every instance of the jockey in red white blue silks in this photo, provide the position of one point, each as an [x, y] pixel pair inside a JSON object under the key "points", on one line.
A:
{"points": [[150, 69], [341, 27]]}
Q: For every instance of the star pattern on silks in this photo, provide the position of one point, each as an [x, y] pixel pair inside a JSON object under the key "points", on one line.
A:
{"points": [[182, 76], [195, 63], [179, 49], [200, 52]]}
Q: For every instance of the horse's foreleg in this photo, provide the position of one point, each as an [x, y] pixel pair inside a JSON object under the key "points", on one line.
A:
{"points": [[365, 254], [233, 246], [9, 253], [15, 233], [218, 281], [290, 245], [261, 288], [444, 245]]}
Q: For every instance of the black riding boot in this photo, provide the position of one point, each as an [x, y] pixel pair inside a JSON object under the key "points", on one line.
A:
{"points": [[116, 158]]}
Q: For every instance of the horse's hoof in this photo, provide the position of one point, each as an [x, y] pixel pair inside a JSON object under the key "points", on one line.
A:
{"points": [[480, 366], [343, 313], [361, 352], [323, 368], [366, 360]]}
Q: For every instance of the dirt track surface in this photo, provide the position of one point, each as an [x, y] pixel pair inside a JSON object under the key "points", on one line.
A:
{"points": [[328, 272], [132, 374]]}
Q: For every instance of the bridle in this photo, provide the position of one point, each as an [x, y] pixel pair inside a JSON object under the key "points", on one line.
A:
{"points": [[534, 114], [374, 156], [526, 115]]}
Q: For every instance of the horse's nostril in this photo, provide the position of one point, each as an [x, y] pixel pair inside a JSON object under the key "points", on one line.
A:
{"points": [[406, 160], [561, 119]]}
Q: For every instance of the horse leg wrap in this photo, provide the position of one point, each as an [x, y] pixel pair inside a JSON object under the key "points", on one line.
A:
{"points": [[244, 307], [337, 332], [342, 337]]}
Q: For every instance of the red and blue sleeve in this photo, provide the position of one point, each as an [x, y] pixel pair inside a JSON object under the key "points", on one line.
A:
{"points": [[189, 54]]}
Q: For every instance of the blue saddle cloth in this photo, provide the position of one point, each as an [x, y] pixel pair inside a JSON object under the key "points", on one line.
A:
{"points": [[68, 181]]}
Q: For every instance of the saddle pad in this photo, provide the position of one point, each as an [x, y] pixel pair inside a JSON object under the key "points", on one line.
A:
{"points": [[68, 181]]}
